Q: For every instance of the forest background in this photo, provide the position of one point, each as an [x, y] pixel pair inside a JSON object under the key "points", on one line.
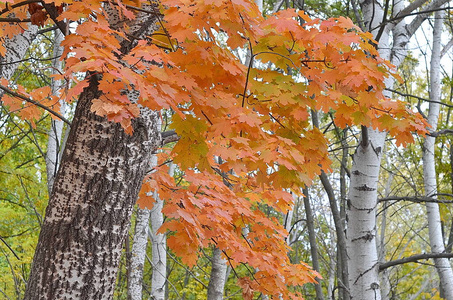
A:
{"points": [[369, 211]]}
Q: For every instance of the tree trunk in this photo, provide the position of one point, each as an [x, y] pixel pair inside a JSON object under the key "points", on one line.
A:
{"points": [[342, 262], [159, 251], [217, 279], [89, 210], [312, 239], [361, 233], [55, 143], [16, 48], [138, 254], [429, 169]]}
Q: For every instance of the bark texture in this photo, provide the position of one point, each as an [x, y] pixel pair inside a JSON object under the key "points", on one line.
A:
{"points": [[55, 143], [89, 210], [15, 52], [217, 278], [138, 254], [361, 233], [159, 249]]}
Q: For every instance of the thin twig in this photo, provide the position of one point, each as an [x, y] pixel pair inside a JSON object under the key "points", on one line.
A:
{"points": [[7, 90]]}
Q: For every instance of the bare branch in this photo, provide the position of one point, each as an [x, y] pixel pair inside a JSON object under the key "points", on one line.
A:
{"points": [[441, 132], [413, 258], [9, 7], [13, 20], [446, 48], [169, 137], [415, 199], [419, 98], [411, 7], [7, 90]]}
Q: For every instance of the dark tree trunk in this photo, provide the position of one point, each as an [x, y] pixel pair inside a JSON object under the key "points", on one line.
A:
{"points": [[89, 210]]}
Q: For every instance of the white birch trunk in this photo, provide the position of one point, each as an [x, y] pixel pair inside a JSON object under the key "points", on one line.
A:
{"points": [[54, 143], [138, 254], [429, 171], [361, 210], [15, 52], [361, 232], [384, 276], [218, 278], [159, 248]]}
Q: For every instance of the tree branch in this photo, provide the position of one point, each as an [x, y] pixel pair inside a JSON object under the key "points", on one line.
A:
{"points": [[413, 258], [365, 138], [10, 7], [13, 20], [7, 90], [446, 48], [169, 137], [441, 132], [419, 98], [421, 199], [53, 14]]}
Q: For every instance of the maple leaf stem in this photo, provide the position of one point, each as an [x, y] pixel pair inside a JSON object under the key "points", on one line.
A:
{"points": [[281, 55], [7, 90], [275, 119], [159, 19], [229, 261], [249, 67]]}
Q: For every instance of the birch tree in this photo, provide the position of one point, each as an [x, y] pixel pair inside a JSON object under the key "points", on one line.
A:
{"points": [[361, 232], [55, 143], [429, 169]]}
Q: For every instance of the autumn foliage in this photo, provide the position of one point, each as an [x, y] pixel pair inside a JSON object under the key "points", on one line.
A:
{"points": [[242, 88]]}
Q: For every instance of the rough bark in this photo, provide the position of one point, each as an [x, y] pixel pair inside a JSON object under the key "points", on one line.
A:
{"points": [[429, 169], [89, 210], [217, 280]]}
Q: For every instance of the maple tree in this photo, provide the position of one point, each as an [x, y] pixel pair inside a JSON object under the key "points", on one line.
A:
{"points": [[255, 117]]}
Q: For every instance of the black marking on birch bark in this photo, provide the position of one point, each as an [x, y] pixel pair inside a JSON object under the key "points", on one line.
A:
{"points": [[369, 236], [365, 188], [358, 173]]}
